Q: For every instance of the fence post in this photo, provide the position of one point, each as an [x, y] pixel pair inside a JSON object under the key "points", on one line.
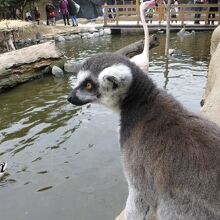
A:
{"points": [[160, 14], [182, 15], [105, 16], [167, 45], [117, 16], [138, 11]]}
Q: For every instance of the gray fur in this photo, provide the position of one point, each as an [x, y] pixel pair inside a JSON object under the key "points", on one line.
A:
{"points": [[170, 156]]}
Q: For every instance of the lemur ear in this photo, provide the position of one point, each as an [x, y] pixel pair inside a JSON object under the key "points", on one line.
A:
{"points": [[113, 80], [118, 75]]}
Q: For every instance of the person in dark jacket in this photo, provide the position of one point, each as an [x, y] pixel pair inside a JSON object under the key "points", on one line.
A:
{"points": [[111, 11], [37, 15], [212, 9], [72, 12]]}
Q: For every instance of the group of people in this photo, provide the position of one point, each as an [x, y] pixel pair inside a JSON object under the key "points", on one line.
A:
{"points": [[211, 15], [174, 10], [67, 8], [36, 14]]}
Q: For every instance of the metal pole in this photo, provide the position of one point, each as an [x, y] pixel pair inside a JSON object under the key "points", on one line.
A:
{"points": [[168, 28]]}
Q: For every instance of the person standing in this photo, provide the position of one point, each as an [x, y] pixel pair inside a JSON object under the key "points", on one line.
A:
{"points": [[50, 13], [212, 9], [174, 11], [28, 16], [72, 12], [111, 11], [198, 10], [37, 15], [64, 11]]}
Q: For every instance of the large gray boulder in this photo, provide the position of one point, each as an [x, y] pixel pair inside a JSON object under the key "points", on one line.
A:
{"points": [[57, 72]]}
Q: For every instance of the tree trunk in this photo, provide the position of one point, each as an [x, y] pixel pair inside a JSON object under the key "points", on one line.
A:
{"points": [[137, 47]]}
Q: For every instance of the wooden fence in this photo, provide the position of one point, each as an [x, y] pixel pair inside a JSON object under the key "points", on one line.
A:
{"points": [[201, 14]]}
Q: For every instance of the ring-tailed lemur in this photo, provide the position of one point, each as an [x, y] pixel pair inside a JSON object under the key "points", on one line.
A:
{"points": [[170, 156]]}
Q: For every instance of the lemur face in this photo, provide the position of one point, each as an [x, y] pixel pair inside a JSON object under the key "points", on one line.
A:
{"points": [[103, 79]]}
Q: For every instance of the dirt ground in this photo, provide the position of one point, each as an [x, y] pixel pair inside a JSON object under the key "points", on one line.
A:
{"points": [[24, 30]]}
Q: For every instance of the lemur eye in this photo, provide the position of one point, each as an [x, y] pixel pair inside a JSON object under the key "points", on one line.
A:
{"points": [[88, 86]]}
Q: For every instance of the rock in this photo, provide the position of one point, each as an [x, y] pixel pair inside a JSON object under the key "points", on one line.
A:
{"points": [[26, 64], [175, 52], [96, 34], [75, 36], [84, 30], [211, 107], [90, 36], [101, 32], [215, 40], [88, 29], [60, 39], [92, 30], [68, 38], [57, 72], [27, 41], [84, 34], [20, 43], [107, 31], [39, 36], [34, 41]]}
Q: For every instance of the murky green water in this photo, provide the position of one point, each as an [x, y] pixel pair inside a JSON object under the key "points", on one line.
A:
{"points": [[64, 161]]}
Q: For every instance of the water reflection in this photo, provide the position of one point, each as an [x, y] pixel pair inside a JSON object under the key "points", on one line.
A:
{"points": [[70, 155]]}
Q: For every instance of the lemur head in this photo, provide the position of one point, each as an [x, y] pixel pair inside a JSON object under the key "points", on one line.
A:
{"points": [[104, 79]]}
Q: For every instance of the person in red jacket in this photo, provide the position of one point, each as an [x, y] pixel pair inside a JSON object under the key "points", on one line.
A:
{"points": [[51, 13]]}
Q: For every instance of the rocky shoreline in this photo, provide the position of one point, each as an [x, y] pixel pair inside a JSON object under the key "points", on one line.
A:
{"points": [[82, 33], [37, 55]]}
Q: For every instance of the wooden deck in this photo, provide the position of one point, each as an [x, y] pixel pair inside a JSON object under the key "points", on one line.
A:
{"points": [[128, 16]]}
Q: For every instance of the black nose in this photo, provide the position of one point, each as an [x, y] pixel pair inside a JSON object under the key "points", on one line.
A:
{"points": [[69, 98]]}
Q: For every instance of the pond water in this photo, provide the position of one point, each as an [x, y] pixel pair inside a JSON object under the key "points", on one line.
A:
{"points": [[64, 161]]}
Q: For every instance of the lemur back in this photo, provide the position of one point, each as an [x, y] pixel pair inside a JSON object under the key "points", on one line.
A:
{"points": [[170, 155]]}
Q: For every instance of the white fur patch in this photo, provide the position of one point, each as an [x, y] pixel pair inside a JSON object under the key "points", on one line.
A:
{"points": [[82, 75], [109, 96], [85, 96], [119, 71], [131, 210]]}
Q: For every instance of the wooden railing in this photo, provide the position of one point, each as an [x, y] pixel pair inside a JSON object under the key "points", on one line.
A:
{"points": [[185, 13]]}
